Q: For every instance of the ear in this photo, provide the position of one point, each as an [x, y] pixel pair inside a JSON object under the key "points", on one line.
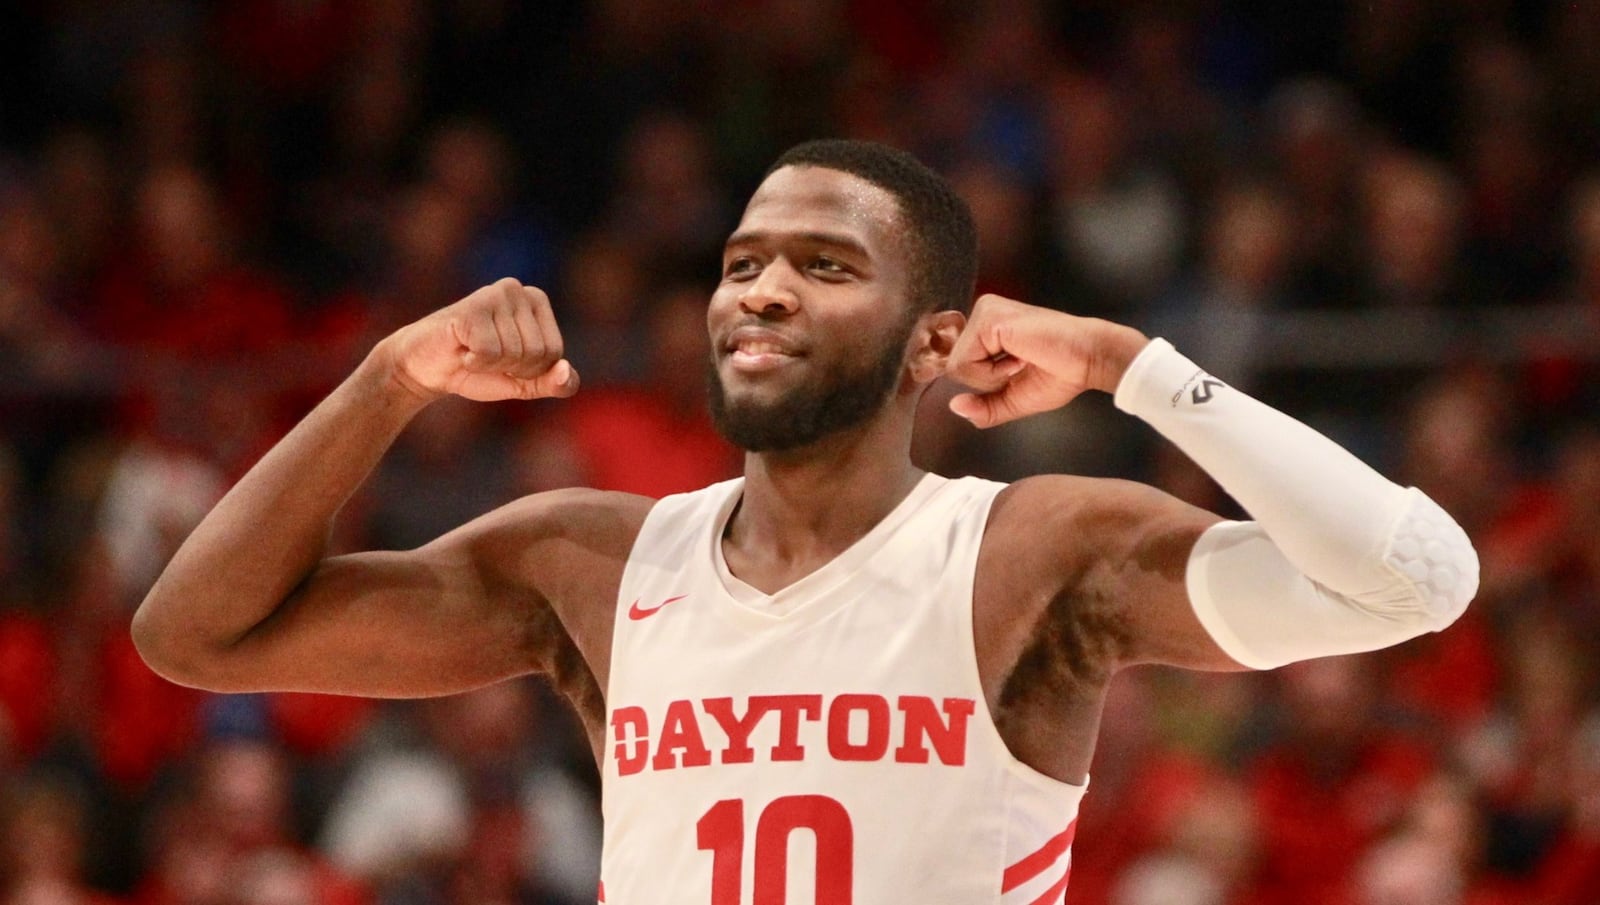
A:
{"points": [[935, 336]]}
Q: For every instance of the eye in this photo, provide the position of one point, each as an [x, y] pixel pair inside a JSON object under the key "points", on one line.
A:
{"points": [[826, 264], [740, 266]]}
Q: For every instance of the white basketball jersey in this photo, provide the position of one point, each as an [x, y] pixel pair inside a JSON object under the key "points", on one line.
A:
{"points": [[825, 745]]}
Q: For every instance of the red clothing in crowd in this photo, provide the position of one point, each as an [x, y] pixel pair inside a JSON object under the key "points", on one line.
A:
{"points": [[145, 722], [1118, 825], [139, 722], [1317, 820], [27, 684], [1451, 676], [318, 724], [230, 312], [633, 441]]}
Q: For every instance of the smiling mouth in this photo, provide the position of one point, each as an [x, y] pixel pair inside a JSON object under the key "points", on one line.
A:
{"points": [[759, 356], [753, 349]]}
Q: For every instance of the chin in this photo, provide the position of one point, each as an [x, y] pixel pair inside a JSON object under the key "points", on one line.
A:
{"points": [[750, 392], [754, 425]]}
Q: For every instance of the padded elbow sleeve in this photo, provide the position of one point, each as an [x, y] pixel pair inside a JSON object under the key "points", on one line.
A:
{"points": [[1264, 612], [1338, 559]]}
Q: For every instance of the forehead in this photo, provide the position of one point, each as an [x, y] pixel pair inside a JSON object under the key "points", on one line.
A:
{"points": [[811, 199]]}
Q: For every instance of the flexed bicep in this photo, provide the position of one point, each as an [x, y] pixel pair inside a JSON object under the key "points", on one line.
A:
{"points": [[529, 587], [252, 601], [1136, 546], [1337, 559], [390, 624]]}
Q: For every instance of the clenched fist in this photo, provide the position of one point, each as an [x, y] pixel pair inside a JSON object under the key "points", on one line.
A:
{"points": [[1021, 360], [500, 342]]}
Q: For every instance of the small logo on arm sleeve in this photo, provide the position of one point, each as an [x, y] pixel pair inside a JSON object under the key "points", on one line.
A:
{"points": [[1201, 387], [1202, 394]]}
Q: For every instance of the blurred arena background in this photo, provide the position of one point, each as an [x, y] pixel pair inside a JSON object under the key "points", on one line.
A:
{"points": [[1383, 216]]}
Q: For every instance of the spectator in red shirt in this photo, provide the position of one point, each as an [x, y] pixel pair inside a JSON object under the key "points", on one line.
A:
{"points": [[656, 438], [180, 290], [1336, 781]]}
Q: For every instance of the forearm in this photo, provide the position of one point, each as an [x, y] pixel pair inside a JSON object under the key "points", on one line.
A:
{"points": [[270, 531], [1382, 562]]}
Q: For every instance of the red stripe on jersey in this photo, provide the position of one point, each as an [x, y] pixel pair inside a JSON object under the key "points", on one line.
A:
{"points": [[1035, 864], [602, 892], [1056, 892]]}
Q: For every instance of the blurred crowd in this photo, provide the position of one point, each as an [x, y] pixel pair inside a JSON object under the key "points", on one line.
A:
{"points": [[1381, 216]]}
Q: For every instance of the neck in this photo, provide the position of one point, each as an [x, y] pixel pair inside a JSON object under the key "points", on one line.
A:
{"points": [[816, 501]]}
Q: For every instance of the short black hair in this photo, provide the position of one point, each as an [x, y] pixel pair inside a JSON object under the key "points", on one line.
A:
{"points": [[943, 240]]}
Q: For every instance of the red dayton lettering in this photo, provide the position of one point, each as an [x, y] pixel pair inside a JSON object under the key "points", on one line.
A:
{"points": [[625, 722], [790, 707], [681, 733], [857, 727]]}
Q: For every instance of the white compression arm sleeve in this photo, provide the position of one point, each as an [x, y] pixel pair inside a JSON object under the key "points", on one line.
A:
{"points": [[1338, 558]]}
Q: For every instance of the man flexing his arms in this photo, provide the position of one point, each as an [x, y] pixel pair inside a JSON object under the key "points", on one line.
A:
{"points": [[836, 679]]}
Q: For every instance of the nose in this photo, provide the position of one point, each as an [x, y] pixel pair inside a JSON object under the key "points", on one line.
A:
{"points": [[771, 292]]}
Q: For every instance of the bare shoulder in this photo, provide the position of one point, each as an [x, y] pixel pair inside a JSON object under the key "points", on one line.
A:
{"points": [[1046, 645], [565, 548], [1073, 558], [1045, 535], [1081, 496], [1068, 519], [567, 545], [582, 519]]}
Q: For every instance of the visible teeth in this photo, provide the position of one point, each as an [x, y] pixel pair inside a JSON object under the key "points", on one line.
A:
{"points": [[760, 348]]}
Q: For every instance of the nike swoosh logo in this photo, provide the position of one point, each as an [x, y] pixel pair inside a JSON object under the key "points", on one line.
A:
{"points": [[637, 612]]}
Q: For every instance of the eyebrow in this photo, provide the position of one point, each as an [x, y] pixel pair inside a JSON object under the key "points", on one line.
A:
{"points": [[816, 237]]}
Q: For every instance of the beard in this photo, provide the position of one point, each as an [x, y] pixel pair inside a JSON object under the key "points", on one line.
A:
{"points": [[848, 396]]}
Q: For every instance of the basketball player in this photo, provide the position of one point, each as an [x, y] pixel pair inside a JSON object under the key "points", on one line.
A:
{"points": [[837, 679]]}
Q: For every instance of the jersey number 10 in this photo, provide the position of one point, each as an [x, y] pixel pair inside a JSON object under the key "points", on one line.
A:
{"points": [[721, 831]]}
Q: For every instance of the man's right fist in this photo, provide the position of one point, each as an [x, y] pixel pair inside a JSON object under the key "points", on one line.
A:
{"points": [[500, 342]]}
